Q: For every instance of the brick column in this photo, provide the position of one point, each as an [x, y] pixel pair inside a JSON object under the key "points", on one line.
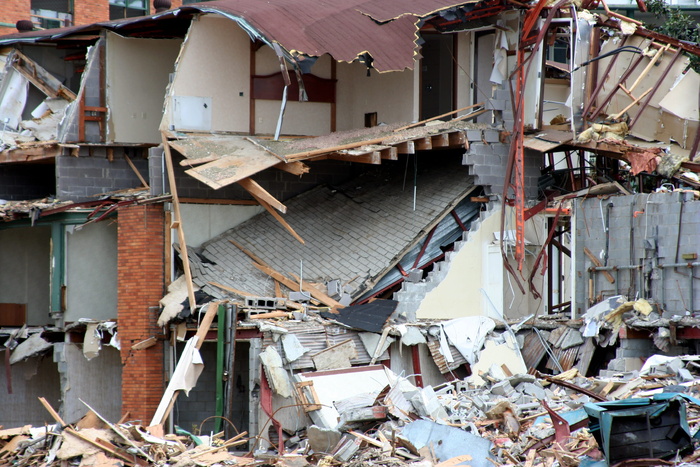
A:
{"points": [[90, 11], [13, 11], [141, 238]]}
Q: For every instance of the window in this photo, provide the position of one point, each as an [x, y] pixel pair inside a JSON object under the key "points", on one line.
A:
{"points": [[119, 9], [47, 14]]}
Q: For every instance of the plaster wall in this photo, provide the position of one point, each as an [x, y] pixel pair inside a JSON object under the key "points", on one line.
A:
{"points": [[135, 99], [91, 272], [215, 63], [394, 96], [31, 379], [202, 222], [25, 271], [96, 381], [477, 284], [300, 118]]}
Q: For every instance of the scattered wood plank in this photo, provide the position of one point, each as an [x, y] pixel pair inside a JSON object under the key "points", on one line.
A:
{"points": [[51, 411], [279, 218], [598, 264], [315, 293], [232, 290], [294, 168], [259, 193], [144, 183]]}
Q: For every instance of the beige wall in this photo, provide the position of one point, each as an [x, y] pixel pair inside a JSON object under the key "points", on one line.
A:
{"points": [[394, 96], [202, 222], [215, 62], [476, 272], [300, 118], [135, 98]]}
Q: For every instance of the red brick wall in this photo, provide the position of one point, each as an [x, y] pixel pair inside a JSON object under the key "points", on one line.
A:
{"points": [[12, 11], [90, 11], [140, 284]]}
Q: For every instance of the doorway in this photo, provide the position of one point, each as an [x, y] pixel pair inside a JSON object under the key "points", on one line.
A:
{"points": [[437, 75]]}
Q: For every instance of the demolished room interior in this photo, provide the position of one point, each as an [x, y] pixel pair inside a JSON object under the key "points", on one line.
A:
{"points": [[332, 213]]}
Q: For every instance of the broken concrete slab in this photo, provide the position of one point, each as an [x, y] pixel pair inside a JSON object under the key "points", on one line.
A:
{"points": [[322, 439], [448, 442], [31, 347]]}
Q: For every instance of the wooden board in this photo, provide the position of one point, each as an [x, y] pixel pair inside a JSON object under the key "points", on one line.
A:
{"points": [[13, 314], [237, 159]]}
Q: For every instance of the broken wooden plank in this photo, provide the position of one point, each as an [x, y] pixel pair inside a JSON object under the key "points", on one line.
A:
{"points": [[423, 144], [51, 410], [259, 193], [457, 138], [145, 344], [178, 220], [170, 394], [315, 293], [40, 77], [437, 117], [390, 154], [406, 147], [193, 162], [248, 253], [598, 264], [294, 168], [373, 157], [144, 183], [279, 218], [441, 140], [92, 442], [232, 290]]}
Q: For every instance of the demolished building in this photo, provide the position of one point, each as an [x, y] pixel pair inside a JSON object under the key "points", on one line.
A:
{"points": [[348, 185]]}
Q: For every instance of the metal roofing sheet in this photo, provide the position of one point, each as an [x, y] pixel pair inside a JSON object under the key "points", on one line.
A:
{"points": [[384, 11]]}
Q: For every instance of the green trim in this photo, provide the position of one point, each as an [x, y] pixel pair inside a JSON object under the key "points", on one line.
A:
{"points": [[58, 254], [220, 341], [8, 25]]}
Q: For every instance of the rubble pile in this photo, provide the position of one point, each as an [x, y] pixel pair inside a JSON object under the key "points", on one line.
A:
{"points": [[522, 419]]}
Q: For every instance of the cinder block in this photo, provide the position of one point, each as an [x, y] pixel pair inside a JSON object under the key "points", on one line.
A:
{"points": [[492, 136], [474, 135]]}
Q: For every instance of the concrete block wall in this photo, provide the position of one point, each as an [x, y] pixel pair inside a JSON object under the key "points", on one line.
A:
{"points": [[23, 182], [281, 185], [488, 158], [412, 294], [81, 178], [647, 230], [190, 411], [140, 286]]}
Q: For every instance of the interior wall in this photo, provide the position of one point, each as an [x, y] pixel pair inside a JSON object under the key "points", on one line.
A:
{"points": [[464, 65], [25, 272], [96, 381], [202, 222], [477, 284], [137, 72], [215, 63], [300, 118], [33, 378], [394, 96], [91, 272]]}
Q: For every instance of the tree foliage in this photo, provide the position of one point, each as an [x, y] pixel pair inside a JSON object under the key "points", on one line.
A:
{"points": [[677, 24]]}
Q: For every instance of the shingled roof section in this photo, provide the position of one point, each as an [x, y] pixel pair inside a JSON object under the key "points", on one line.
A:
{"points": [[354, 233]]}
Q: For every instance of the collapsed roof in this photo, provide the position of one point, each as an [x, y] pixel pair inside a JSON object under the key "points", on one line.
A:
{"points": [[354, 233], [381, 33]]}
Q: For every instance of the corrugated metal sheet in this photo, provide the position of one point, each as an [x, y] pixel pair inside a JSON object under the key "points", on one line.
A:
{"points": [[441, 362], [533, 351], [316, 337], [342, 28], [345, 29]]}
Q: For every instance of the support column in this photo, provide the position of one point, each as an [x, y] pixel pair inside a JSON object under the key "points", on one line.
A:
{"points": [[140, 284]]}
